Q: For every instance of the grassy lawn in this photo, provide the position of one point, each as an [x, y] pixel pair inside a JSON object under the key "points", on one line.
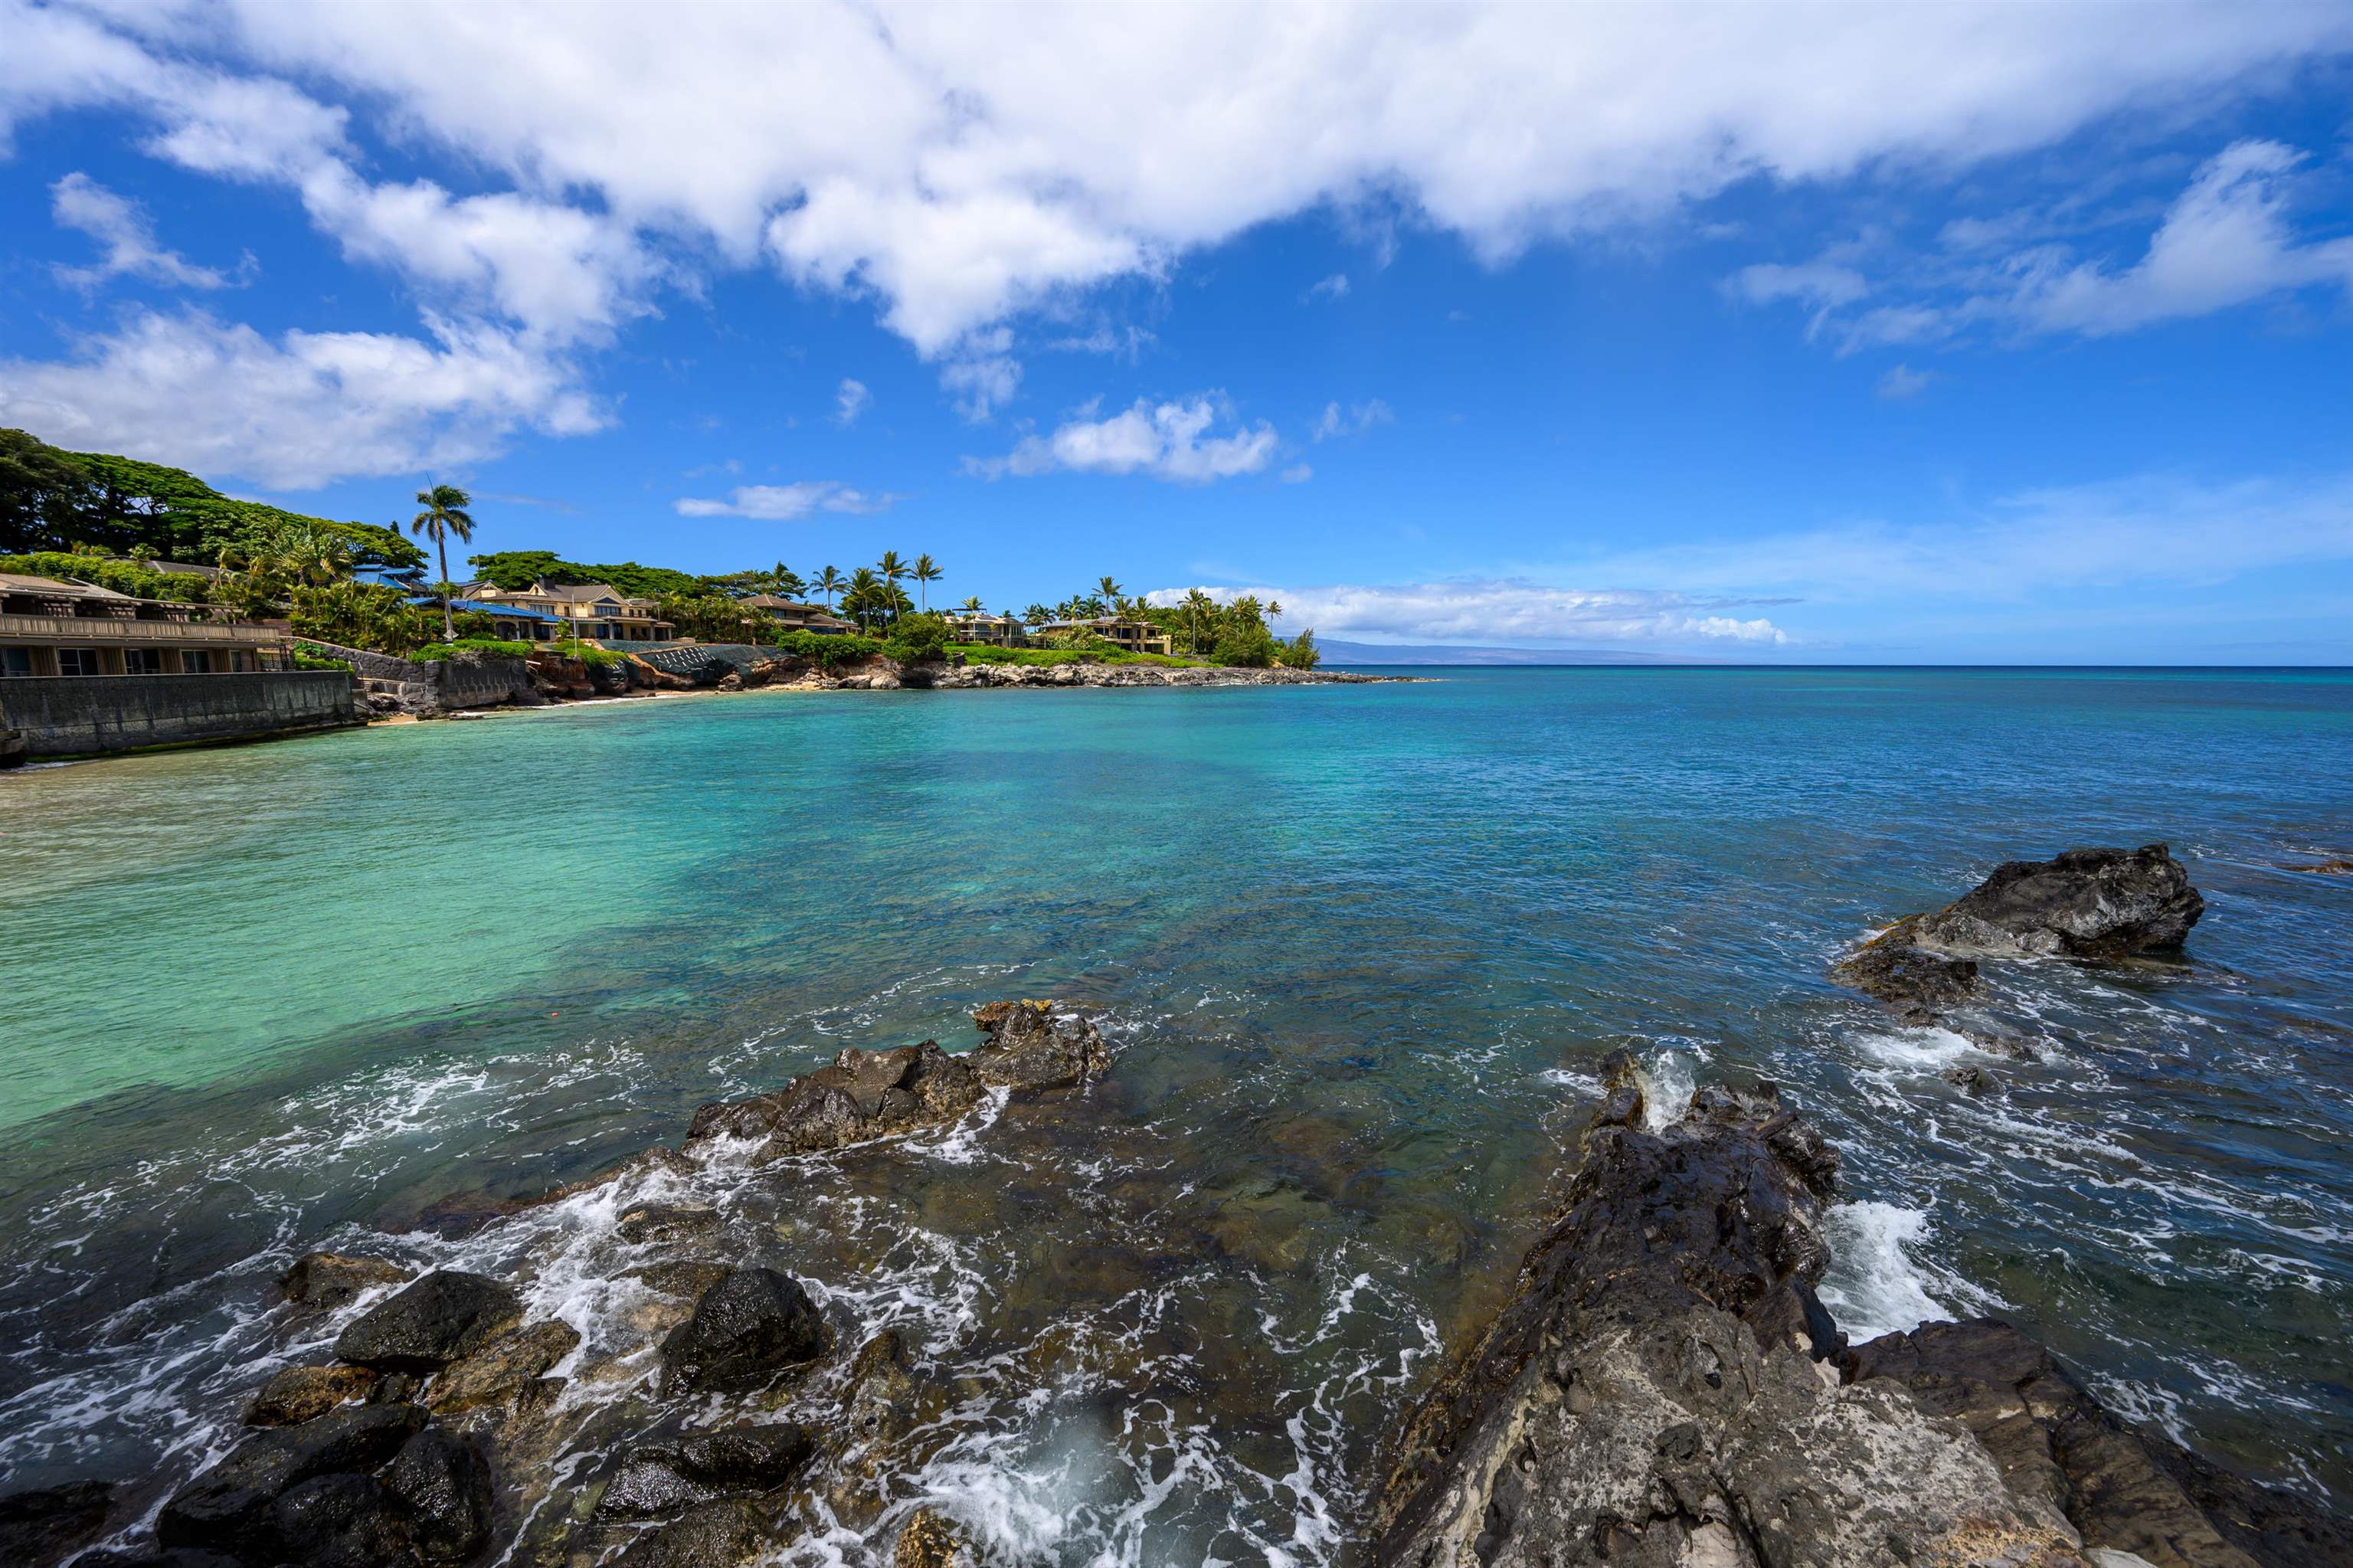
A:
{"points": [[981, 653]]}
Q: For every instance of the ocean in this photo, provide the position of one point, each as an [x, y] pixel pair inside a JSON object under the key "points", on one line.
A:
{"points": [[1358, 950]]}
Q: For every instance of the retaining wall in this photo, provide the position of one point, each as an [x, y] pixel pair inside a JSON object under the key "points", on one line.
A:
{"points": [[76, 714]]}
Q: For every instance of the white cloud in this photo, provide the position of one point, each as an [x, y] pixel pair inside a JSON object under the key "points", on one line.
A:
{"points": [[1353, 421], [1297, 473], [2225, 240], [1505, 611], [850, 400], [80, 201], [302, 409], [982, 376], [958, 171], [785, 502], [1901, 382], [1166, 440], [1335, 287]]}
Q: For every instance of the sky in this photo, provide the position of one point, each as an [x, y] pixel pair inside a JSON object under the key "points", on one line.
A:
{"points": [[1810, 333]]}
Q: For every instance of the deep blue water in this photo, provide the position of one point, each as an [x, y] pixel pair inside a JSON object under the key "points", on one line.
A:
{"points": [[1359, 948]]}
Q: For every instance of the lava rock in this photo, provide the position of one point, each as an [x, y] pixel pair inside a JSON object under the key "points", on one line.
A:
{"points": [[656, 1479], [1891, 969], [666, 1223], [445, 1483], [331, 1279], [227, 1505], [1970, 1079], [746, 1329], [296, 1394], [863, 1095], [338, 1521], [445, 1316], [503, 1368], [161, 1557], [929, 1540], [2085, 904], [43, 1524], [711, 1535], [1031, 1046]]}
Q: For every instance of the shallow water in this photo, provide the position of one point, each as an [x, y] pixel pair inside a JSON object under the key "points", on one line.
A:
{"points": [[1358, 949]]}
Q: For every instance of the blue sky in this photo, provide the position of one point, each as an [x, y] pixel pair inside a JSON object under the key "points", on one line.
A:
{"points": [[1861, 332]]}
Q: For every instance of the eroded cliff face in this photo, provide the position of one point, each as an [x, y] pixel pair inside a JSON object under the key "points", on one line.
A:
{"points": [[1664, 1390]]}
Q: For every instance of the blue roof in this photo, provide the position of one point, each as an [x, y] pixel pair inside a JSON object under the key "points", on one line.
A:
{"points": [[511, 613]]}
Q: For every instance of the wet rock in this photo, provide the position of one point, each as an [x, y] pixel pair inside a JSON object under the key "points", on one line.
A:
{"points": [[503, 1368], [1031, 1046], [337, 1521], [445, 1316], [44, 1524], [2325, 868], [1971, 1079], [1891, 969], [688, 1279], [303, 1393], [929, 1540], [656, 1479], [2085, 904], [444, 1483], [228, 1506], [746, 1329], [863, 1095], [331, 1279], [2123, 1489], [666, 1223], [1653, 1393], [879, 1405], [710, 1535], [174, 1557]]}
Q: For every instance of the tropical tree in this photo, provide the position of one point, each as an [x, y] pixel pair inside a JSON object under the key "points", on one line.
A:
{"points": [[831, 582], [1199, 606], [890, 568], [971, 606], [862, 596], [1110, 591], [287, 553], [1274, 610], [789, 583], [925, 571], [445, 514], [1037, 614]]}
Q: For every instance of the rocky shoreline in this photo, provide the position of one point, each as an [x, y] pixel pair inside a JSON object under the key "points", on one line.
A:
{"points": [[1663, 1386]]}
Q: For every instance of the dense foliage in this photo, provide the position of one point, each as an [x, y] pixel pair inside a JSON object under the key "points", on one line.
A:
{"points": [[918, 639], [133, 577], [516, 570], [51, 499], [360, 615], [827, 652]]}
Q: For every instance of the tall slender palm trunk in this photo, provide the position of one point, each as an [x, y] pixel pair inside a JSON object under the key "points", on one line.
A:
{"points": [[448, 627]]}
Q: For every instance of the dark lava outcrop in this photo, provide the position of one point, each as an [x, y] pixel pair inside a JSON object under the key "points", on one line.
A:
{"points": [[2085, 904], [745, 1330], [1666, 1391], [445, 1316], [330, 1280], [874, 1094]]}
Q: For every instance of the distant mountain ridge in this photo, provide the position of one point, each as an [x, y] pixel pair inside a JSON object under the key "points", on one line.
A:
{"points": [[1345, 654]]}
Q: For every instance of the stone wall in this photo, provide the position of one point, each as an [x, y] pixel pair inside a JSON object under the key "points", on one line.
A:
{"points": [[77, 715], [485, 681], [434, 685]]}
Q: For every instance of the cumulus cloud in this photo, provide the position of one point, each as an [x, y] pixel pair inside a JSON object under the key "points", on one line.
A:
{"points": [[117, 223], [1507, 610], [299, 409], [850, 400], [1166, 440], [957, 171], [785, 502]]}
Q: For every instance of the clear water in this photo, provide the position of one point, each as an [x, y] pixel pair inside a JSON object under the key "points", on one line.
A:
{"points": [[1358, 949]]}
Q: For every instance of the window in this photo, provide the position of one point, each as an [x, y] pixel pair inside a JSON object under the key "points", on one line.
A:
{"points": [[197, 662], [78, 661], [16, 662], [143, 661]]}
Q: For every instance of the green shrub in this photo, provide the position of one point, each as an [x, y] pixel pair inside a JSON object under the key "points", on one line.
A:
{"points": [[922, 638], [123, 576], [1300, 652], [434, 651], [314, 662], [472, 623], [828, 653], [1249, 646], [359, 615]]}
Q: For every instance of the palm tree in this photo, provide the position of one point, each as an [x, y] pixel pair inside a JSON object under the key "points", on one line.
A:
{"points": [[863, 595], [1197, 604], [1274, 610], [445, 514], [890, 568], [1110, 591], [925, 571], [971, 606], [828, 583]]}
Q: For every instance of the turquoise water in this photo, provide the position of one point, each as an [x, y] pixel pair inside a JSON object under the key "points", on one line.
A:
{"points": [[1358, 949]]}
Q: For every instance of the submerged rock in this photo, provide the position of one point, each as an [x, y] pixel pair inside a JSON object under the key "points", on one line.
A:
{"points": [[929, 1540], [303, 1393], [1891, 969], [710, 1535], [875, 1094], [503, 1368], [331, 1279], [443, 1316], [1655, 1393], [745, 1330]]}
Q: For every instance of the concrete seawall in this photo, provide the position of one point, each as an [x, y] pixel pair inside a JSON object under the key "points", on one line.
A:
{"points": [[76, 714]]}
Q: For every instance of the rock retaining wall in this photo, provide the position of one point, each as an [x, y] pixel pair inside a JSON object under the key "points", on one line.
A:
{"points": [[76, 716]]}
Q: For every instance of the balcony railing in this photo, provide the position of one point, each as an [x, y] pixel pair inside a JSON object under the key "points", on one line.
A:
{"points": [[93, 629]]}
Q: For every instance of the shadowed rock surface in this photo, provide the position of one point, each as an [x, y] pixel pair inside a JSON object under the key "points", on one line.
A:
{"points": [[1664, 1390], [228, 1508], [874, 1094], [43, 1525], [303, 1393], [331, 1279], [660, 1478]]}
